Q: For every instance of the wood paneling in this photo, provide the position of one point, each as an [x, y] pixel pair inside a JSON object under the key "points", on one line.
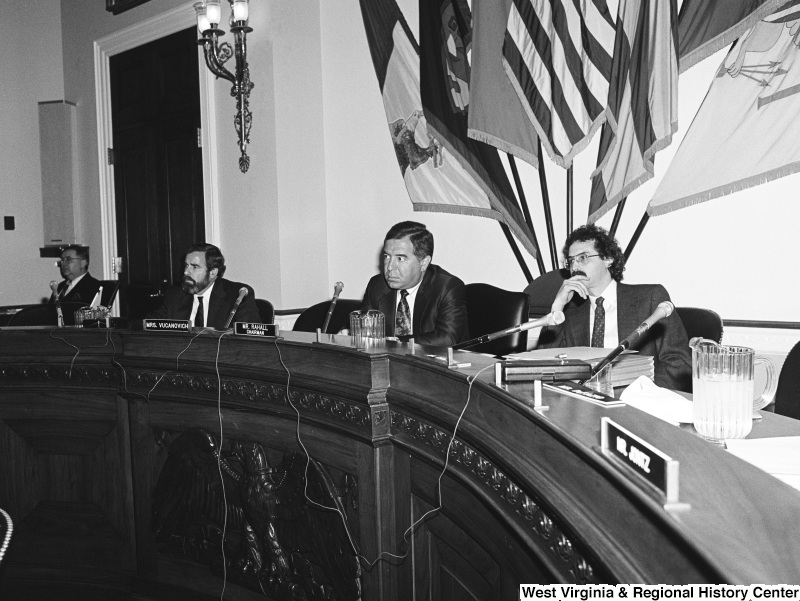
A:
{"points": [[526, 497]]}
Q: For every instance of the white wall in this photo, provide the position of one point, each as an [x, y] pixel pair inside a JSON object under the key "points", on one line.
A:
{"points": [[30, 37]]}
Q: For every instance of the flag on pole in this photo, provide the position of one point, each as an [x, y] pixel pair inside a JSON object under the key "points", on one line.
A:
{"points": [[705, 27], [747, 128], [557, 54], [496, 115], [440, 168], [642, 102]]}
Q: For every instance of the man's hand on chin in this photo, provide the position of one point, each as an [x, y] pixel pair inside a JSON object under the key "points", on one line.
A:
{"points": [[576, 284]]}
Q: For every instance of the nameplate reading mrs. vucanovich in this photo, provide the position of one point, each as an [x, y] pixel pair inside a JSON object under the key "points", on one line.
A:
{"points": [[166, 325], [243, 328], [643, 459]]}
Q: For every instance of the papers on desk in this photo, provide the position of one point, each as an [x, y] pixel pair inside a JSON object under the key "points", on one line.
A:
{"points": [[658, 402], [624, 369], [779, 457]]}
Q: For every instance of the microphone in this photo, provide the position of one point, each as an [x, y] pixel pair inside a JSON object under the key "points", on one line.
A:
{"points": [[242, 293], [664, 309], [337, 290], [54, 288], [551, 319]]}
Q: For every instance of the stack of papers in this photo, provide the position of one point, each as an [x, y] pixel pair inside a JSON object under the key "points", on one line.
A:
{"points": [[624, 369], [658, 402]]}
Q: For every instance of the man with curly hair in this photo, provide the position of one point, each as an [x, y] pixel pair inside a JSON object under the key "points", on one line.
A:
{"points": [[601, 311]]}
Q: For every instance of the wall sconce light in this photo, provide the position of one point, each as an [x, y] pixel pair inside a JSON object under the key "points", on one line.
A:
{"points": [[208, 18]]}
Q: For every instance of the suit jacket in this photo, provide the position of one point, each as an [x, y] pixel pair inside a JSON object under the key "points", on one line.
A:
{"points": [[83, 292], [178, 304], [440, 309], [666, 341]]}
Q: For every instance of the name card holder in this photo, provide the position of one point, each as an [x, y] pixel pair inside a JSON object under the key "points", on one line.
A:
{"points": [[656, 470], [166, 325], [263, 330]]}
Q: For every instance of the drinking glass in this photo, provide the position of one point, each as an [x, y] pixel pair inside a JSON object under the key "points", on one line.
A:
{"points": [[367, 328]]}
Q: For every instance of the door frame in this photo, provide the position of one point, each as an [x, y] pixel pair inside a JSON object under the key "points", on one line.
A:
{"points": [[146, 31]]}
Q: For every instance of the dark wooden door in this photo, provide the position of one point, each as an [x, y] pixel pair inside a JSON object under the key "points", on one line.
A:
{"points": [[158, 170]]}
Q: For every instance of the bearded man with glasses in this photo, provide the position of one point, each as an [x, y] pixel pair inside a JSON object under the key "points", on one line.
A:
{"points": [[601, 311]]}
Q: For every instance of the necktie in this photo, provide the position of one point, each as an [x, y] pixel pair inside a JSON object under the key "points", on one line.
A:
{"points": [[599, 331], [402, 321], [64, 289], [199, 322]]}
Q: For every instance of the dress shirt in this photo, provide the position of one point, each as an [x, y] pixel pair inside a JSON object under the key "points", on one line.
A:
{"points": [[206, 294], [611, 338], [70, 285], [410, 299]]}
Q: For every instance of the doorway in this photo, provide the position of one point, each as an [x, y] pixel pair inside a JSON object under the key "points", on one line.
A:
{"points": [[158, 166]]}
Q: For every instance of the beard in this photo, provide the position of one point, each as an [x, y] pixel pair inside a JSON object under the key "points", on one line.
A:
{"points": [[191, 286]]}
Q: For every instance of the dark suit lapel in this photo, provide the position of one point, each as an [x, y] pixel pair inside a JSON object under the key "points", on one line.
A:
{"points": [[627, 311], [386, 305], [578, 326], [422, 300], [183, 306], [218, 306]]}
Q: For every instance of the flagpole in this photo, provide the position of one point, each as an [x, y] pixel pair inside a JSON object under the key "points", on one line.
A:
{"points": [[525, 211], [569, 199], [548, 218], [636, 234], [617, 215], [517, 253]]}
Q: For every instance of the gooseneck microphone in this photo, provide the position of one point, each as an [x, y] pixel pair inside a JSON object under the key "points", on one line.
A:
{"points": [[54, 288], [551, 319], [337, 290], [242, 293], [664, 309]]}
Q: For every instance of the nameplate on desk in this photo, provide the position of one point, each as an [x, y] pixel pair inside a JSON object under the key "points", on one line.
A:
{"points": [[243, 328], [585, 394], [166, 325], [643, 459]]}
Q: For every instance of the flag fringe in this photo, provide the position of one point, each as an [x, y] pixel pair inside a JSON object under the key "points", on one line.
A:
{"points": [[564, 161], [738, 186], [727, 37], [505, 146]]}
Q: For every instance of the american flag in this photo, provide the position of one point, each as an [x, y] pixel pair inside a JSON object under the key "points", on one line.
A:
{"points": [[642, 102], [557, 54]]}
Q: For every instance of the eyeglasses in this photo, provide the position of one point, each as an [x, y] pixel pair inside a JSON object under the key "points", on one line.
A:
{"points": [[579, 260], [63, 260]]}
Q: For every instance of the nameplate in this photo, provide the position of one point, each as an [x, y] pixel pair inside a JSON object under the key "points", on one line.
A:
{"points": [[585, 394], [641, 458], [166, 325], [243, 328]]}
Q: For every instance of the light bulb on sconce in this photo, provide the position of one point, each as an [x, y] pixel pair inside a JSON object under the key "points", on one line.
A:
{"points": [[209, 15]]}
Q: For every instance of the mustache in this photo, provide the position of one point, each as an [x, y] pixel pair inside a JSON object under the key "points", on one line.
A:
{"points": [[577, 272]]}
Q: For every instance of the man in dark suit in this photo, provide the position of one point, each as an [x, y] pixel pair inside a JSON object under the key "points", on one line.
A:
{"points": [[418, 299], [78, 285], [205, 298], [600, 311]]}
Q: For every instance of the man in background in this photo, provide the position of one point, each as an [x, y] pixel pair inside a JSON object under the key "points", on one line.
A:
{"points": [[205, 298], [600, 311], [78, 285], [418, 299]]}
